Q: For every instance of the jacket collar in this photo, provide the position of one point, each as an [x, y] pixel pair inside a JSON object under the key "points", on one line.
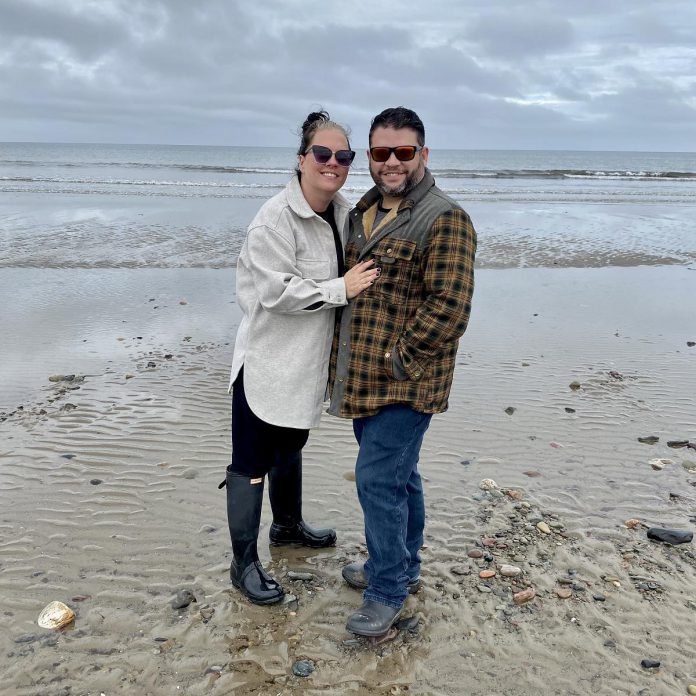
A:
{"points": [[413, 197], [298, 203]]}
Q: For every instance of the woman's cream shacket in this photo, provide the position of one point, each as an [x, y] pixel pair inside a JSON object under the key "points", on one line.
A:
{"points": [[288, 262]]}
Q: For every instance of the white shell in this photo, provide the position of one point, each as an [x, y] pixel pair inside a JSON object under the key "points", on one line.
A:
{"points": [[55, 615], [488, 484]]}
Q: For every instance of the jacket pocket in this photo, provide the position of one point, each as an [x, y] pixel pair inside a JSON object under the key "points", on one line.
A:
{"points": [[396, 259], [316, 269]]}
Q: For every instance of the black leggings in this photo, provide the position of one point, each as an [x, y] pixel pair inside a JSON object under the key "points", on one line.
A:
{"points": [[258, 446]]}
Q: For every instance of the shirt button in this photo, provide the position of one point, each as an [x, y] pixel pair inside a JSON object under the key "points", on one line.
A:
{"points": [[340, 379], [387, 355], [344, 343], [417, 374], [389, 251]]}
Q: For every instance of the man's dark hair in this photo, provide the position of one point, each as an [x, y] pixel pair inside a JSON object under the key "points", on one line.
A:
{"points": [[399, 117]]}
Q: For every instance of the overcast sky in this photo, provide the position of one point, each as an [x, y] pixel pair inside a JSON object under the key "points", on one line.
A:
{"points": [[561, 74]]}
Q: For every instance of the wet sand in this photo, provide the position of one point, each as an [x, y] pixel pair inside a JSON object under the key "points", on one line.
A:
{"points": [[109, 499]]}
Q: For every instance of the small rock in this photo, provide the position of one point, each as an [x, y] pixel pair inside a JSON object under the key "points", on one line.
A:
{"points": [[465, 462], [183, 302], [65, 408], [489, 541], [483, 588], [514, 494], [660, 464], [303, 668], [543, 528], [670, 536], [574, 385], [128, 375], [475, 553], [649, 439], [676, 444], [649, 664], [615, 375], [293, 575], [487, 574], [289, 601], [26, 638], [183, 599], [691, 689], [510, 410], [95, 482], [632, 523], [510, 571], [488, 484], [564, 593], [213, 669], [461, 570], [691, 344], [531, 474], [599, 597], [524, 596], [151, 363], [568, 409]]}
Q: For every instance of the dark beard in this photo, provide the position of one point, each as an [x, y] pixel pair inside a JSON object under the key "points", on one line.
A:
{"points": [[409, 183]]}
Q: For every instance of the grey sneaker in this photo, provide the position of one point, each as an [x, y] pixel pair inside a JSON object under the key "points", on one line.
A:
{"points": [[354, 575]]}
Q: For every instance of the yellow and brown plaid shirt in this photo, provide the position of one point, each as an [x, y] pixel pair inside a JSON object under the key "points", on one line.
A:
{"points": [[396, 342]]}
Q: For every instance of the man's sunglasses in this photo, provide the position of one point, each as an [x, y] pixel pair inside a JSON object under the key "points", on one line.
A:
{"points": [[323, 154], [404, 153]]}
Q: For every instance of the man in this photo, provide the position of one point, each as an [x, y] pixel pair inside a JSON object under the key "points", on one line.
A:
{"points": [[394, 353]]}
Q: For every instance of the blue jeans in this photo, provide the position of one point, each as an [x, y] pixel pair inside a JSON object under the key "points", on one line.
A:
{"points": [[391, 496]]}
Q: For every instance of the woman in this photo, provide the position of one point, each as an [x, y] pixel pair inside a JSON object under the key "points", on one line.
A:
{"points": [[290, 279]]}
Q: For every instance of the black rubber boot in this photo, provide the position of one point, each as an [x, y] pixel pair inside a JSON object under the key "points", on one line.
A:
{"points": [[285, 493], [244, 501]]}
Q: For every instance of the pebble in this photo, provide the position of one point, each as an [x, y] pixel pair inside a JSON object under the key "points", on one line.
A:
{"points": [[532, 474], [151, 363], [290, 601], [183, 599], [214, 669], [676, 444], [568, 409], [564, 593], [659, 464], [293, 575], [599, 597], [95, 482], [475, 553], [487, 574], [489, 541], [649, 664], [483, 588], [303, 668], [632, 523], [575, 385], [543, 528], [26, 638], [510, 410], [649, 439], [488, 485], [461, 570], [524, 596], [510, 571], [691, 689]]}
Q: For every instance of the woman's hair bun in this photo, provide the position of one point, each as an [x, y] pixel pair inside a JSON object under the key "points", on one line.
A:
{"points": [[315, 117]]}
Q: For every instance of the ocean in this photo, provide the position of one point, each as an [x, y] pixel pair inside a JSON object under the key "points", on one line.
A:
{"points": [[131, 206]]}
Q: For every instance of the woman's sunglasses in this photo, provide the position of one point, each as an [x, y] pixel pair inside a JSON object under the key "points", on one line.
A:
{"points": [[404, 153], [323, 154]]}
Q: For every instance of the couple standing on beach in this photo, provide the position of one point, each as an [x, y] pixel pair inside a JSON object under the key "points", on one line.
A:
{"points": [[380, 329]]}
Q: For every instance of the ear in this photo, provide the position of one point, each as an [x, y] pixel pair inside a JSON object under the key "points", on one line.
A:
{"points": [[424, 154], [367, 152], [300, 162]]}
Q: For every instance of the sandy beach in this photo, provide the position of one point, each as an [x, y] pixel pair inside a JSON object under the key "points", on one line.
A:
{"points": [[109, 499]]}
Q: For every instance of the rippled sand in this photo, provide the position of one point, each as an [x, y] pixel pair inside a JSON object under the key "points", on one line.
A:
{"points": [[112, 506]]}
